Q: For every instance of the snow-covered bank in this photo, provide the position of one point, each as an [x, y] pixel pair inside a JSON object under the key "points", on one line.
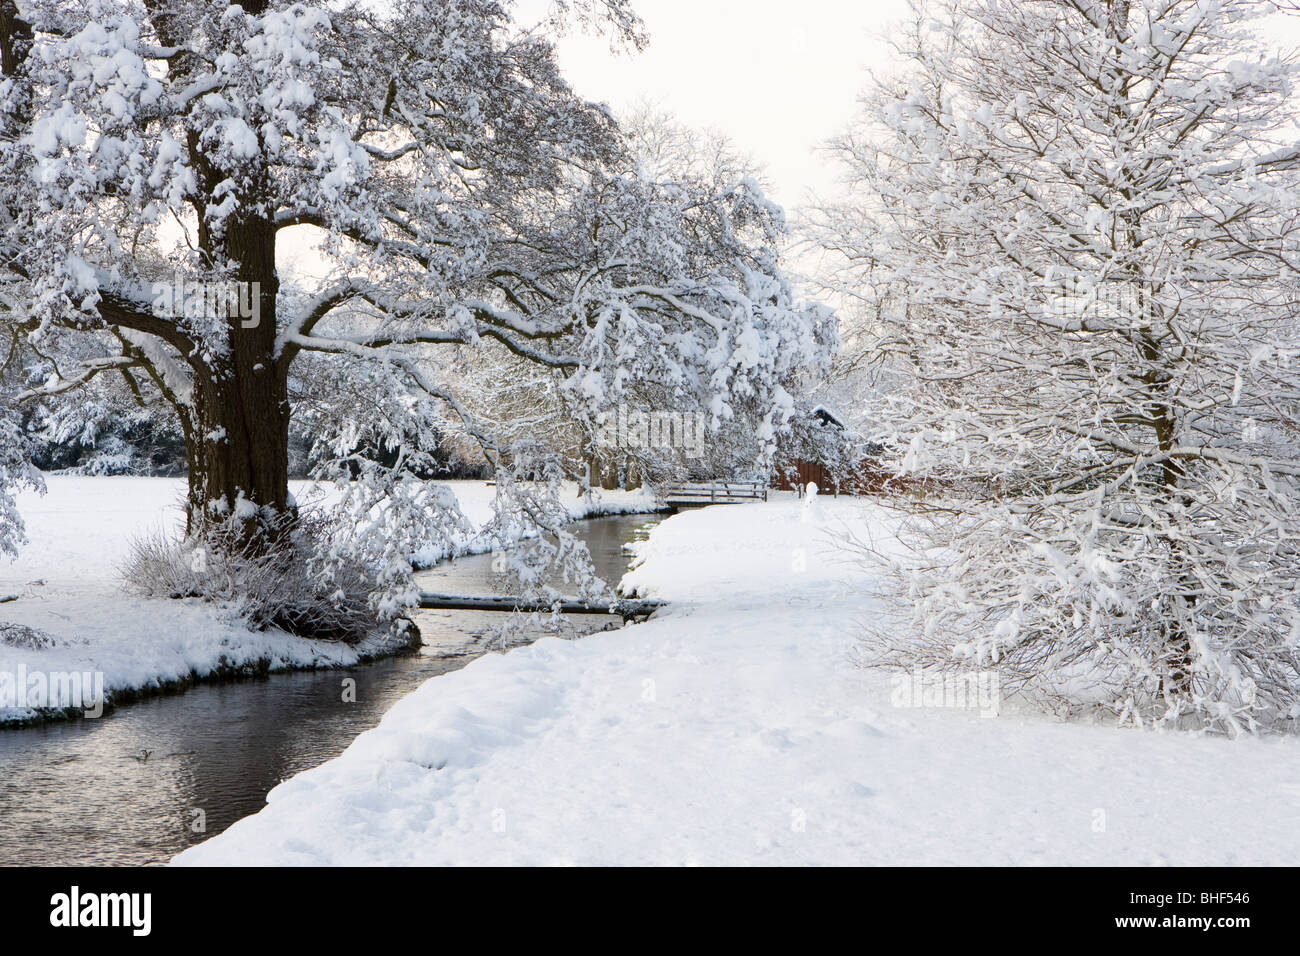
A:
{"points": [[69, 587], [732, 729]]}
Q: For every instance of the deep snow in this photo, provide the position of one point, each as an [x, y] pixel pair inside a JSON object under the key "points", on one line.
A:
{"points": [[69, 586], [735, 729]]}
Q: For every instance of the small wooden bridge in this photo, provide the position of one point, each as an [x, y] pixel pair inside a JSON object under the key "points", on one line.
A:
{"points": [[628, 609], [714, 493]]}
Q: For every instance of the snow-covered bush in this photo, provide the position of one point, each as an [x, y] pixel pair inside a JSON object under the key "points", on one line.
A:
{"points": [[106, 439], [286, 585], [1080, 221], [28, 638]]}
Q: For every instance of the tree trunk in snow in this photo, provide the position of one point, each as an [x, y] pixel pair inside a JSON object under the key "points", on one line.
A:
{"points": [[15, 38], [239, 450], [238, 442]]}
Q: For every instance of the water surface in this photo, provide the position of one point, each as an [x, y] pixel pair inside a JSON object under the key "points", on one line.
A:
{"points": [[142, 783]]}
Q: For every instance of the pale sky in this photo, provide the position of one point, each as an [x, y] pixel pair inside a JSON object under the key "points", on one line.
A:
{"points": [[779, 77]]}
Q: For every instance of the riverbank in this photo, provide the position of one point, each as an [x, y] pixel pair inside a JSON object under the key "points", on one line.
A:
{"points": [[734, 728], [71, 621]]}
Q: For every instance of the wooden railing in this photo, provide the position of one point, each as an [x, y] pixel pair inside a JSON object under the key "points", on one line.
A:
{"points": [[715, 492]]}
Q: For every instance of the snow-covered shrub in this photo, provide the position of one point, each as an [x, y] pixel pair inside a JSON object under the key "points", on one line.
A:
{"points": [[283, 585], [28, 638]]}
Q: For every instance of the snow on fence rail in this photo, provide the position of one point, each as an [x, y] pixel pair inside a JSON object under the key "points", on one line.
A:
{"points": [[715, 492]]}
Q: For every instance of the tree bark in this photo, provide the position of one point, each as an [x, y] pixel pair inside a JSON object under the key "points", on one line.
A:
{"points": [[15, 38], [239, 446]]}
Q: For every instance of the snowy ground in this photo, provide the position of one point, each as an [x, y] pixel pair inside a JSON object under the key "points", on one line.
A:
{"points": [[69, 586], [733, 729]]}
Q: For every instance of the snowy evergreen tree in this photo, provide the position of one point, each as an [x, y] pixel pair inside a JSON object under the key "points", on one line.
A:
{"points": [[1079, 219]]}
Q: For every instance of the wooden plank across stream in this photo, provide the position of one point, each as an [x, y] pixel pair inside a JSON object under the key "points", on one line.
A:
{"points": [[628, 609]]}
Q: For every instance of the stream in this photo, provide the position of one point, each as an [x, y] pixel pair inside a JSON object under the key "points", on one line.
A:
{"points": [[84, 793]]}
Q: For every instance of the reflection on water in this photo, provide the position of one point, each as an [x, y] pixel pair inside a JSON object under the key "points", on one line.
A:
{"points": [[136, 786]]}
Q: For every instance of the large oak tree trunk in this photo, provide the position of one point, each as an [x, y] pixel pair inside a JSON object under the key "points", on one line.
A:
{"points": [[15, 38], [238, 445]]}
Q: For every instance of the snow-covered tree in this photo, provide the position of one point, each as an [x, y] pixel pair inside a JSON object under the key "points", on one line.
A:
{"points": [[16, 470], [1075, 224], [172, 158]]}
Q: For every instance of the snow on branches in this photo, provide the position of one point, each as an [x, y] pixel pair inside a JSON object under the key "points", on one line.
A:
{"points": [[455, 197]]}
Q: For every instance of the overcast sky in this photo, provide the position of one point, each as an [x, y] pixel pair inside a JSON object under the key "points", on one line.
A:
{"points": [[779, 77]]}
